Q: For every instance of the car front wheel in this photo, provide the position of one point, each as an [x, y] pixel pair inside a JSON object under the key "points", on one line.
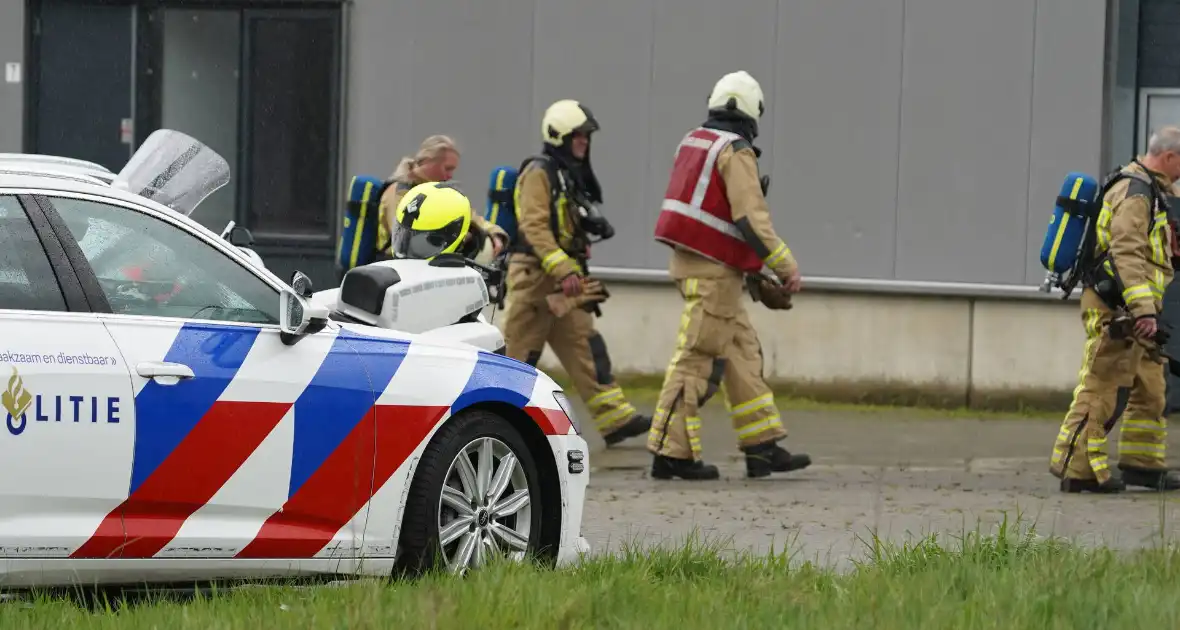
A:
{"points": [[475, 496]]}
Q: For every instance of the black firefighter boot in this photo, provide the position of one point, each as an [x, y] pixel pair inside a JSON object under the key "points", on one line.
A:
{"points": [[637, 425], [668, 467], [1113, 485], [763, 459], [1163, 479]]}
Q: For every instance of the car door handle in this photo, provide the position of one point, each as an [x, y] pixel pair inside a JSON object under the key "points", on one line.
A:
{"points": [[163, 372]]}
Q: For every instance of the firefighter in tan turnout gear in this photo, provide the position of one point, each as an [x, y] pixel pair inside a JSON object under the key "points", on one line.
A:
{"points": [[550, 297], [715, 218], [1120, 303], [436, 161]]}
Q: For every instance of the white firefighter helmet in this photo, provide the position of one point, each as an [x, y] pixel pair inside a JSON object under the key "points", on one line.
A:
{"points": [[740, 91], [564, 118]]}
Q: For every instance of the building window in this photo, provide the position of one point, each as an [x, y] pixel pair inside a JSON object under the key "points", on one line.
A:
{"points": [[291, 100], [259, 86]]}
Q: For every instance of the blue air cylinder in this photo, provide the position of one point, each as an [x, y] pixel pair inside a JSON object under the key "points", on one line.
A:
{"points": [[1067, 227]]}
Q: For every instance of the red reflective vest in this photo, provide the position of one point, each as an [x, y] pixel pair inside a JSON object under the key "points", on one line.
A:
{"points": [[695, 214]]}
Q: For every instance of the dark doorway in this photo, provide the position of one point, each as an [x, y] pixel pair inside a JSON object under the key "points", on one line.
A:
{"points": [[290, 131], [83, 81], [259, 86]]}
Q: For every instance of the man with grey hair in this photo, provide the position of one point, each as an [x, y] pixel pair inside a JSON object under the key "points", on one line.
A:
{"points": [[1133, 264]]}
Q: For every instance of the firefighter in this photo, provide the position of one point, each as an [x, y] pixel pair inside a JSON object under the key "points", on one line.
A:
{"points": [[716, 220], [548, 260], [1121, 300], [436, 161]]}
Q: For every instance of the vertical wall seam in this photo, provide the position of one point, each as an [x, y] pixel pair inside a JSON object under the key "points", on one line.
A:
{"points": [[1032, 97], [406, 62], [897, 158], [778, 7], [969, 394], [134, 79], [1110, 56], [1140, 30], [648, 196], [531, 110], [344, 48]]}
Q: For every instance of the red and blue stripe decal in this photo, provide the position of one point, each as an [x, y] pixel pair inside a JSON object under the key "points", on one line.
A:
{"points": [[335, 453], [498, 378], [339, 397], [165, 414], [188, 443]]}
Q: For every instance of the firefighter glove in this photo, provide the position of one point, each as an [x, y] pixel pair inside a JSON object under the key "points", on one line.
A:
{"points": [[593, 293], [773, 296]]}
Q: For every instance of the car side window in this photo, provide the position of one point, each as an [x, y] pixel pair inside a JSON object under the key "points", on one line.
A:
{"points": [[147, 266], [27, 281]]}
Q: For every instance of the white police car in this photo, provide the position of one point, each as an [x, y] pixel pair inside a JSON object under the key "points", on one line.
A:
{"points": [[174, 412]]}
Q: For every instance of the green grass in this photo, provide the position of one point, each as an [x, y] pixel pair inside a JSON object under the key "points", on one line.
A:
{"points": [[647, 395], [931, 400], [1010, 581]]}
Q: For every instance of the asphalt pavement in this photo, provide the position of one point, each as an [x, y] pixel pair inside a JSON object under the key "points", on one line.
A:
{"points": [[897, 475]]}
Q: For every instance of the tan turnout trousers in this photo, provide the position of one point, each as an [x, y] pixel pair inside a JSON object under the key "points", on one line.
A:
{"points": [[578, 346], [1111, 370], [716, 349]]}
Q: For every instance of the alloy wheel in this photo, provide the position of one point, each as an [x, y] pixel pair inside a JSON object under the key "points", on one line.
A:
{"points": [[485, 508]]}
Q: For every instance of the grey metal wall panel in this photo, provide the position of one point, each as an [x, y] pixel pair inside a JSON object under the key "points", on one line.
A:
{"points": [[838, 87], [12, 50], [1067, 110], [966, 101], [472, 80], [403, 85], [379, 60], [881, 169], [600, 53], [693, 45]]}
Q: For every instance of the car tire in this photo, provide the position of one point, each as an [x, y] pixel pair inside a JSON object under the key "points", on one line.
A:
{"points": [[436, 533]]}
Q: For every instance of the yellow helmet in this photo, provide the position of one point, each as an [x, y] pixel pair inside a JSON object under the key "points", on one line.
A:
{"points": [[566, 117], [432, 219]]}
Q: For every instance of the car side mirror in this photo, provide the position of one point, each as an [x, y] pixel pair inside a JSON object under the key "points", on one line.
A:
{"points": [[298, 317], [301, 284]]}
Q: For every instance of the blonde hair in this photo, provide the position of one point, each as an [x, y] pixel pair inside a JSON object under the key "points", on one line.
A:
{"points": [[431, 148]]}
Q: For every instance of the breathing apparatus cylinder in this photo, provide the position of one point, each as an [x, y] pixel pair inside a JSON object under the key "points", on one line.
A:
{"points": [[1076, 207]]}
